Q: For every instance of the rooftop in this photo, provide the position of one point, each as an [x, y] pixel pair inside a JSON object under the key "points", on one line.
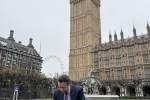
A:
{"points": [[11, 44]]}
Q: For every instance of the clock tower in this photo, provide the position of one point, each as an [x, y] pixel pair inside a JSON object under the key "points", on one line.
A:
{"points": [[85, 32]]}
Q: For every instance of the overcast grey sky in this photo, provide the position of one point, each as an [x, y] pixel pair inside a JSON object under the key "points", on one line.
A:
{"points": [[49, 21]]}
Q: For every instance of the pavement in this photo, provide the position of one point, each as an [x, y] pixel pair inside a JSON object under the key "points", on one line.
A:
{"points": [[26, 99], [39, 99]]}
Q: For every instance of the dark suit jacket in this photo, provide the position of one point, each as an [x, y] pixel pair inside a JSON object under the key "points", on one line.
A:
{"points": [[76, 93]]}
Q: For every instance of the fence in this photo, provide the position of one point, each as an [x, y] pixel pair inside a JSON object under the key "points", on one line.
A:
{"points": [[7, 92]]}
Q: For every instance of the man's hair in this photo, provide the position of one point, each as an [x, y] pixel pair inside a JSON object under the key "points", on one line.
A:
{"points": [[64, 78]]}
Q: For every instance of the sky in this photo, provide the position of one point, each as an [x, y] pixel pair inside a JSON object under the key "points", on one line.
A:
{"points": [[48, 22]]}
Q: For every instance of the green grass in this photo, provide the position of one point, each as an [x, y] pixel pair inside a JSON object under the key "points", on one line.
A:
{"points": [[48, 99], [133, 99], [119, 99]]}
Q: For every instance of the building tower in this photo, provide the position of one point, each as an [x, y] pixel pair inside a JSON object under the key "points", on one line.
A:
{"points": [[85, 32]]}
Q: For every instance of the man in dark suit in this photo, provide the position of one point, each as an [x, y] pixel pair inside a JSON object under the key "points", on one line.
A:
{"points": [[68, 91]]}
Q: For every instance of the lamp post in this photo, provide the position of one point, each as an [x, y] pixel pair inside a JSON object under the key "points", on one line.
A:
{"points": [[120, 81], [136, 81], [30, 90], [9, 87]]}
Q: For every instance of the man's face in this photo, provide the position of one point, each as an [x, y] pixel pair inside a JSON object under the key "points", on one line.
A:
{"points": [[63, 87]]}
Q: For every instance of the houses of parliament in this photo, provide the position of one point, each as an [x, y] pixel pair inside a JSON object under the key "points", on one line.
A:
{"points": [[123, 66]]}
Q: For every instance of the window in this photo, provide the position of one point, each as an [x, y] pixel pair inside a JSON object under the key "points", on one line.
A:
{"points": [[3, 43], [15, 50], [96, 64], [33, 66], [14, 61], [4, 47], [15, 55], [118, 62], [133, 73], [10, 49], [117, 51], [131, 61], [37, 72], [106, 63], [130, 50], [29, 59], [9, 54], [76, 61], [84, 59], [29, 63], [8, 60], [25, 53], [37, 66], [20, 56], [95, 55], [24, 65], [29, 66], [20, 52], [19, 62], [145, 59], [24, 62], [144, 47], [120, 76], [8, 67], [107, 75], [147, 72], [4, 53], [25, 58], [106, 53], [38, 61], [33, 60]]}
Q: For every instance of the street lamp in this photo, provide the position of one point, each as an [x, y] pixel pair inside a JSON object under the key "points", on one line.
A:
{"points": [[30, 90]]}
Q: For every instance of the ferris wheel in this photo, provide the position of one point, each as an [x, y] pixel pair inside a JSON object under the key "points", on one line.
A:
{"points": [[53, 63]]}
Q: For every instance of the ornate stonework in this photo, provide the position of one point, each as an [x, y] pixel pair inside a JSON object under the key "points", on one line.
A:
{"points": [[135, 47], [84, 34], [122, 66]]}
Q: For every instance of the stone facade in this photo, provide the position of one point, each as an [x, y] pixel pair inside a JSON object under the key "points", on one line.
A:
{"points": [[123, 58], [84, 34], [12, 53], [122, 66], [125, 64]]}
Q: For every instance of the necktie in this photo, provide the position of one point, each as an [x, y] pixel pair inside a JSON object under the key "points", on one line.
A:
{"points": [[66, 97]]}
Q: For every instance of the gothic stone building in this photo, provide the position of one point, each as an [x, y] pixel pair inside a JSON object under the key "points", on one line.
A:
{"points": [[12, 53], [122, 66]]}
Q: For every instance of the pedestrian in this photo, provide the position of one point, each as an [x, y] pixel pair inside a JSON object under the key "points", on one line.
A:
{"points": [[67, 91]]}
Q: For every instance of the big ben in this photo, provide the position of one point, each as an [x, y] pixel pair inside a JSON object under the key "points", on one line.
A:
{"points": [[85, 32]]}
